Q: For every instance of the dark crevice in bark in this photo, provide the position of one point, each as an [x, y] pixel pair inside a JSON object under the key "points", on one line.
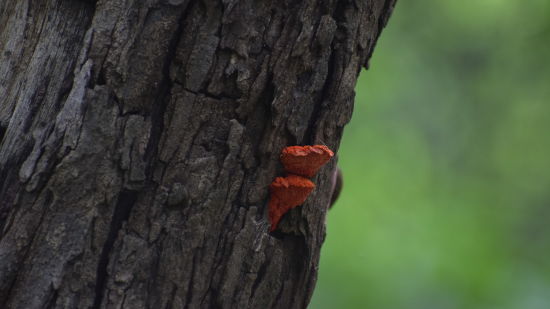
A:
{"points": [[101, 79], [189, 294], [159, 109], [126, 201], [218, 266], [120, 106], [53, 300], [170, 302], [154, 271], [278, 233], [202, 92], [2, 132], [275, 304], [260, 276]]}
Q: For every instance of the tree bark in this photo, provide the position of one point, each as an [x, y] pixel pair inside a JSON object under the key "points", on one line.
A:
{"points": [[139, 138]]}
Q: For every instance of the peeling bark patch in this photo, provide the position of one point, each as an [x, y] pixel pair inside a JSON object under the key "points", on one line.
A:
{"points": [[124, 205]]}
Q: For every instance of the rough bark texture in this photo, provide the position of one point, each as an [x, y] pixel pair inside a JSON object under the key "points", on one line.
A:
{"points": [[138, 140]]}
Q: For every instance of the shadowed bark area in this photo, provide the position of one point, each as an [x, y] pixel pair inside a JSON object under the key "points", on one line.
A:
{"points": [[139, 138]]}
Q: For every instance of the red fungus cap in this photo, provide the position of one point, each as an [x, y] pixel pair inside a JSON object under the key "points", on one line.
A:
{"points": [[305, 160], [287, 193]]}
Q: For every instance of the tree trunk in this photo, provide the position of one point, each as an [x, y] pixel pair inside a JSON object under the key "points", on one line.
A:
{"points": [[139, 139]]}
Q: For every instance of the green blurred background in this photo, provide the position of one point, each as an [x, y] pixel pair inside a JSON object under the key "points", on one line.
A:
{"points": [[447, 164]]}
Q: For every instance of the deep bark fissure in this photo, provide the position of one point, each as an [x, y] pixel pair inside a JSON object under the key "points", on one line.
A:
{"points": [[154, 273], [170, 302], [121, 214], [189, 294], [259, 277], [2, 132], [51, 304]]}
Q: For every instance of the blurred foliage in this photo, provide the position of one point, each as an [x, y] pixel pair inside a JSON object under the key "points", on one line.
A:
{"points": [[446, 198]]}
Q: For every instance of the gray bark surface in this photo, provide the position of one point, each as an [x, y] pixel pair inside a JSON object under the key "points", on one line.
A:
{"points": [[139, 138]]}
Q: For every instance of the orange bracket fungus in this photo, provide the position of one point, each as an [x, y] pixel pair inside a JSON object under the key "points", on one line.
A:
{"points": [[291, 191], [287, 193], [305, 160]]}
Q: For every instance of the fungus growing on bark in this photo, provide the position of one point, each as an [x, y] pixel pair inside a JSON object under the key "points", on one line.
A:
{"points": [[287, 193], [291, 191], [305, 160]]}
